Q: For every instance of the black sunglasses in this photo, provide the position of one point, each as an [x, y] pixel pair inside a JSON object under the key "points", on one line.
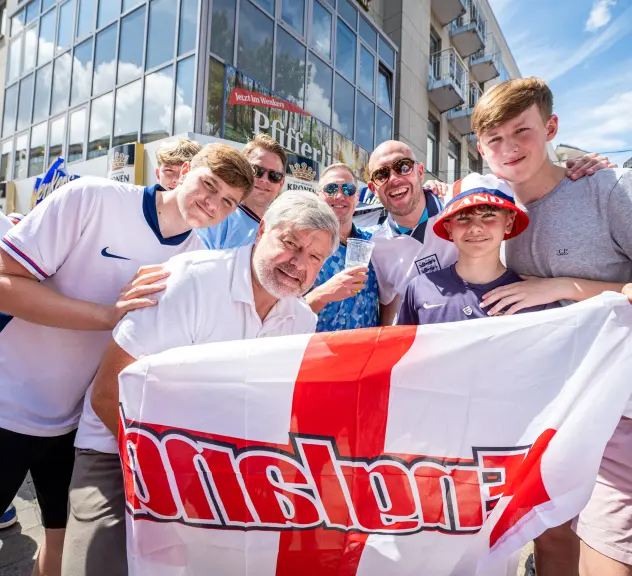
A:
{"points": [[403, 167], [273, 175], [348, 188]]}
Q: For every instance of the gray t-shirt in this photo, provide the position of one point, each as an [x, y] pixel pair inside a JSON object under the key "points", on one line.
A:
{"points": [[581, 229]]}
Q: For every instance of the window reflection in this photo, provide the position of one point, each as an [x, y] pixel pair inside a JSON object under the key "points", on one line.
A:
{"points": [[365, 122], [108, 11], [321, 30], [10, 110], [215, 99], [100, 125], [319, 80], [25, 102], [348, 12], [223, 29], [105, 61], [76, 134], [254, 51], [64, 26], [5, 160], [387, 53], [30, 49], [188, 20], [81, 73], [290, 68], [384, 127], [367, 70], [56, 139], [38, 148], [385, 89], [129, 4], [345, 51], [47, 4], [85, 19], [183, 118], [162, 29], [127, 114], [17, 23], [15, 49], [265, 4], [60, 83], [43, 82], [293, 13], [19, 165], [32, 10], [131, 46], [157, 105], [46, 44], [368, 33], [343, 107]]}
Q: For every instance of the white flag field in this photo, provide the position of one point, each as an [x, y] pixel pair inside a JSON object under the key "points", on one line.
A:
{"points": [[435, 450]]}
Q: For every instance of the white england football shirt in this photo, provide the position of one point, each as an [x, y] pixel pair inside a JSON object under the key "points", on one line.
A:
{"points": [[398, 257], [86, 241], [208, 298]]}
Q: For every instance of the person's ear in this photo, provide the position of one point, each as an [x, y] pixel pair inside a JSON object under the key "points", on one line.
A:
{"points": [[481, 151], [552, 127], [260, 231], [371, 187], [511, 219], [447, 225], [158, 173], [420, 169], [184, 170]]}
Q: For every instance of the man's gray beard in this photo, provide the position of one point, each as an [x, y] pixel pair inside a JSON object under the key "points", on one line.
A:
{"points": [[270, 285]]}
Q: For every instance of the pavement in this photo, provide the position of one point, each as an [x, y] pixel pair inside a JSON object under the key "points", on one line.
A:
{"points": [[19, 543]]}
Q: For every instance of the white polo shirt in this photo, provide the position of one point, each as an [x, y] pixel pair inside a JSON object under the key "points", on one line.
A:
{"points": [[208, 298], [5, 224], [398, 258], [85, 241]]}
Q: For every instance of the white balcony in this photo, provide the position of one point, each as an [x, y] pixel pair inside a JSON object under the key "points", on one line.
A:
{"points": [[468, 31], [448, 10], [447, 82], [461, 117], [486, 63]]}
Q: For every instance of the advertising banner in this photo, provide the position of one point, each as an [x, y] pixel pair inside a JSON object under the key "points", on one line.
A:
{"points": [[55, 177], [437, 450], [125, 163]]}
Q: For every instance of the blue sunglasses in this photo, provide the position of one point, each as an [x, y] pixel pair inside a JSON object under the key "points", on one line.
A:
{"points": [[348, 188]]}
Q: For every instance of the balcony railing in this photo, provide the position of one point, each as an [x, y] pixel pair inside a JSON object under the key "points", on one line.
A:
{"points": [[447, 79], [485, 64], [469, 30], [461, 116]]}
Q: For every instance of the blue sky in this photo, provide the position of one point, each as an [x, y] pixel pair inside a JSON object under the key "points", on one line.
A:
{"points": [[583, 49]]}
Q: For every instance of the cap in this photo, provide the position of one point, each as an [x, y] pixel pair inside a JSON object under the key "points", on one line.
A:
{"points": [[475, 190]]}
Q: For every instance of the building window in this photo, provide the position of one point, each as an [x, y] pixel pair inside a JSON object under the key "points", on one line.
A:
{"points": [[19, 165], [5, 160], [343, 107], [104, 61], [319, 80], [157, 105], [183, 117], [127, 113], [214, 98], [85, 18], [365, 122], [108, 11], [129, 4], [188, 21], [25, 102], [348, 12], [76, 135], [345, 51], [454, 160], [435, 48], [81, 73], [65, 25], [38, 149], [46, 40], [17, 23], [32, 10], [254, 47], [130, 64], [290, 68], [368, 33], [61, 86], [46, 4], [367, 71], [30, 49], [3, 21], [162, 28], [223, 29], [43, 85], [384, 128], [293, 13], [10, 110], [385, 89], [321, 30], [100, 125], [475, 163], [56, 134], [266, 5], [432, 152], [15, 54]]}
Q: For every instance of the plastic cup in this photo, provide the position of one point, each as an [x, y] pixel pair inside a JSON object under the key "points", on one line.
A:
{"points": [[358, 253]]}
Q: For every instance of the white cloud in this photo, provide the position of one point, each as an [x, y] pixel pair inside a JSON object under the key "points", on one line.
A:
{"points": [[600, 14]]}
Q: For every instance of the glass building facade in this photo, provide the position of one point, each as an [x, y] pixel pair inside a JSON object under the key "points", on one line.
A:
{"points": [[85, 75]]}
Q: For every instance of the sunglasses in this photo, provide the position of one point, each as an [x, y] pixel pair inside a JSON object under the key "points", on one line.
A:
{"points": [[348, 188], [273, 175], [403, 167]]}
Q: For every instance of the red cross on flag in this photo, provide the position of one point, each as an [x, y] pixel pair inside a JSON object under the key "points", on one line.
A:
{"points": [[438, 450]]}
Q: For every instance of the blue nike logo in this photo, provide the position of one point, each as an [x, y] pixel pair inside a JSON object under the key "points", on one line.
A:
{"points": [[105, 253]]}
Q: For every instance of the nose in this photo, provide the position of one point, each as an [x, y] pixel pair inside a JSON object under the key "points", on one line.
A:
{"points": [[475, 226], [212, 203], [510, 145]]}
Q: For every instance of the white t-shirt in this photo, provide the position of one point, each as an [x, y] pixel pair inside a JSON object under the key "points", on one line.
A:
{"points": [[398, 257], [86, 241], [5, 224], [208, 298]]}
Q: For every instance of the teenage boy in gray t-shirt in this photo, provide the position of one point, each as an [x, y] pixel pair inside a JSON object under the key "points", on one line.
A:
{"points": [[579, 244]]}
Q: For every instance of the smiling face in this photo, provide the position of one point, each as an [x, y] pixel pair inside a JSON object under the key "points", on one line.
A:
{"points": [[168, 175], [287, 259], [479, 230], [400, 194], [343, 206], [204, 199], [264, 191], [516, 149]]}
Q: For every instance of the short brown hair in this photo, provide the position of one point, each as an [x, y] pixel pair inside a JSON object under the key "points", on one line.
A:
{"points": [[510, 99], [265, 142], [339, 166], [178, 152], [228, 164]]}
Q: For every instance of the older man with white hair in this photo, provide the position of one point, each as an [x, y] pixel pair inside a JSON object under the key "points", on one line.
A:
{"points": [[211, 296]]}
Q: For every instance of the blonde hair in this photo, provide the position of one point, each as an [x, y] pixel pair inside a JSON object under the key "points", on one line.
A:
{"points": [[265, 142], [509, 99], [178, 152], [339, 166], [228, 164]]}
